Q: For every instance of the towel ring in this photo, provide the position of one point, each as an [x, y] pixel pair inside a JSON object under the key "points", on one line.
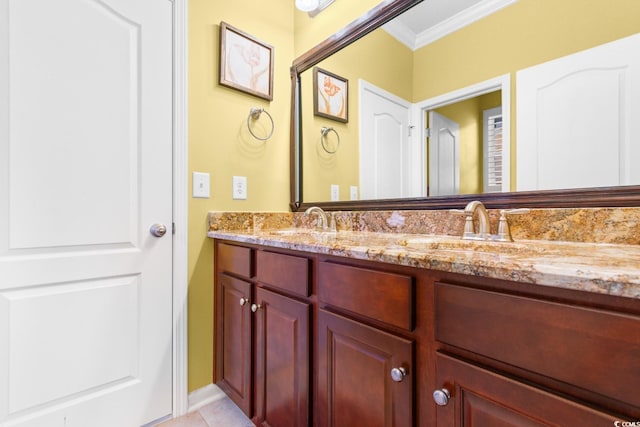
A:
{"points": [[324, 131], [254, 114]]}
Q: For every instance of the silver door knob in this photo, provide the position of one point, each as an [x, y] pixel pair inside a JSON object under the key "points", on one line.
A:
{"points": [[243, 301], [255, 307], [441, 397], [398, 374], [158, 230]]}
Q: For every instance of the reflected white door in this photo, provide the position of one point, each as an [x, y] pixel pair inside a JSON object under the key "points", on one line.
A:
{"points": [[578, 119], [385, 154], [444, 155], [85, 170]]}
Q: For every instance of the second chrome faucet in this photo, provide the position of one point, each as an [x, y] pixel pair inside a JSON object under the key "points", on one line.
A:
{"points": [[484, 229], [323, 223]]}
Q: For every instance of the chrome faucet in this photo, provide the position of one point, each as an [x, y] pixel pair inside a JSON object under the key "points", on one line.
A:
{"points": [[322, 217], [484, 232], [483, 218]]}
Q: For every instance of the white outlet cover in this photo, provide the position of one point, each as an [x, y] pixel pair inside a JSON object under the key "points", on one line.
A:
{"points": [[335, 192], [239, 188], [353, 192], [201, 187]]}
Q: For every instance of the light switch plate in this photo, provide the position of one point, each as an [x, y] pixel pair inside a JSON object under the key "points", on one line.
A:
{"points": [[239, 188], [201, 185]]}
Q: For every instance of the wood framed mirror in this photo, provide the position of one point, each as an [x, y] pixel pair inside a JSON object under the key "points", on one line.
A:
{"points": [[605, 196]]}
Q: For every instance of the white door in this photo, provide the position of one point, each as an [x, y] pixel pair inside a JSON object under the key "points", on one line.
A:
{"points": [[578, 119], [444, 155], [385, 154], [85, 170]]}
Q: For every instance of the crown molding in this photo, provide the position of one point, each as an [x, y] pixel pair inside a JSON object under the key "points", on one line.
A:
{"points": [[446, 27]]}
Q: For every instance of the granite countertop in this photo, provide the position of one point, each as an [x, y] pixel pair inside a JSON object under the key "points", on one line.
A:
{"points": [[612, 269]]}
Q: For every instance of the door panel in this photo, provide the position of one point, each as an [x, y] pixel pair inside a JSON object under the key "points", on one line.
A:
{"points": [[385, 153], [577, 123], [233, 340], [354, 382], [85, 169], [282, 360], [444, 155], [104, 353], [480, 397], [74, 139]]}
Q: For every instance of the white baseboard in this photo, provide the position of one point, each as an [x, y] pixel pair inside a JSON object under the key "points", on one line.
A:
{"points": [[203, 396]]}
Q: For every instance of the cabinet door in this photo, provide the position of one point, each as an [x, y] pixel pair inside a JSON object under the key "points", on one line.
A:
{"points": [[355, 387], [233, 340], [282, 360], [479, 397]]}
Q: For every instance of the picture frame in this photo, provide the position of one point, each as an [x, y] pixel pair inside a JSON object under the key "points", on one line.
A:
{"points": [[246, 63], [330, 95]]}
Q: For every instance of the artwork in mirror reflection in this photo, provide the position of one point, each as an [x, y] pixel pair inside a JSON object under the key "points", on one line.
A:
{"points": [[557, 58]]}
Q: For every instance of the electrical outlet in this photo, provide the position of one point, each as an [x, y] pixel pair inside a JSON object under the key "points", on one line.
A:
{"points": [[239, 188], [201, 185], [335, 192], [353, 192]]}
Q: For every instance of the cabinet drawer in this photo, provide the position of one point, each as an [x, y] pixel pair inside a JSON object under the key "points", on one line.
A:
{"points": [[593, 349], [387, 297], [234, 259], [286, 272]]}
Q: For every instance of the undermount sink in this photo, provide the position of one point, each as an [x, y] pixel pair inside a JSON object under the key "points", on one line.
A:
{"points": [[298, 231], [458, 244], [290, 231]]}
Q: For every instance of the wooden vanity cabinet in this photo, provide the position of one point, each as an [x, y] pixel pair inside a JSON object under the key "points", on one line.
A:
{"points": [[365, 374], [233, 323], [262, 335], [520, 360], [339, 342]]}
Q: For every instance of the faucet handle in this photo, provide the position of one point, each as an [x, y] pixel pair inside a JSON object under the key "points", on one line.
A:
{"points": [[469, 231], [332, 222], [504, 232]]}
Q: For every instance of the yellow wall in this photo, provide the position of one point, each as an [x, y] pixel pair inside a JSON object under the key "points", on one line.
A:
{"points": [[219, 142], [526, 33]]}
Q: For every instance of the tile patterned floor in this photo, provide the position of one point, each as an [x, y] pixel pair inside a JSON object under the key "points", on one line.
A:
{"points": [[220, 413]]}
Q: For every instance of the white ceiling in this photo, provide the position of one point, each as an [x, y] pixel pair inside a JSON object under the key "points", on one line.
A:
{"points": [[433, 19]]}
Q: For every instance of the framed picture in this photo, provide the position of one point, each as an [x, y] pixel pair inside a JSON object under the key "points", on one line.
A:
{"points": [[330, 95], [246, 64]]}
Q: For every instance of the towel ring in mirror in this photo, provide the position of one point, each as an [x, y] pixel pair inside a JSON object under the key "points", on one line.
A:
{"points": [[254, 114], [324, 131]]}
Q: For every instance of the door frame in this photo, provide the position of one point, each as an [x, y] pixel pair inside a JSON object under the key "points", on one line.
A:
{"points": [[420, 109], [180, 203]]}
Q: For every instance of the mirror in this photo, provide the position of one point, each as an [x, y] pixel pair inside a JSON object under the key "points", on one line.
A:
{"points": [[314, 168]]}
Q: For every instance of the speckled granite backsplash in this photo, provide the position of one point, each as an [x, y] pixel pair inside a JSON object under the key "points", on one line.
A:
{"points": [[593, 225]]}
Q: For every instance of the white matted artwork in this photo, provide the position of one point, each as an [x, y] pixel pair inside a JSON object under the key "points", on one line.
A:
{"points": [[246, 64], [330, 95]]}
